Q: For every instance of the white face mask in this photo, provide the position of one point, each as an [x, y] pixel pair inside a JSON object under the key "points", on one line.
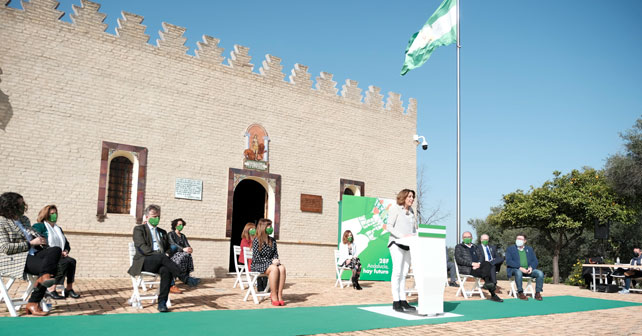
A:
{"points": [[519, 243]]}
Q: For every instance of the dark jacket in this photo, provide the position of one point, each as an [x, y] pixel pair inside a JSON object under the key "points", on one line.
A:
{"points": [[463, 258], [41, 228], [180, 242], [145, 246], [512, 259], [497, 259]]}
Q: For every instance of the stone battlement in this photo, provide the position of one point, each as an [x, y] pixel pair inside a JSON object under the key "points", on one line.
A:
{"points": [[131, 33]]}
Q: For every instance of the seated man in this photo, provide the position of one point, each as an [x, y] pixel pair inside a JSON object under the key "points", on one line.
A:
{"points": [[490, 254], [521, 261], [152, 247], [470, 262], [632, 273]]}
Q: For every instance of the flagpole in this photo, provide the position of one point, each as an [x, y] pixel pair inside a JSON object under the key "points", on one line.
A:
{"points": [[458, 135]]}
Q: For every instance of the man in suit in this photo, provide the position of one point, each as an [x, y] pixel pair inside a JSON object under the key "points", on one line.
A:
{"points": [[490, 254], [152, 246], [470, 261], [522, 261]]}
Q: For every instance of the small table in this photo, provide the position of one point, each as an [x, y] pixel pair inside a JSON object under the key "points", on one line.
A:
{"points": [[609, 266]]}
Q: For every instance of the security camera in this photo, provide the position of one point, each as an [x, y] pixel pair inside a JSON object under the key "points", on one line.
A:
{"points": [[424, 143]]}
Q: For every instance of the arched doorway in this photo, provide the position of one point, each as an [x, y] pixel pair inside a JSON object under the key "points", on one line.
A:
{"points": [[248, 206]]}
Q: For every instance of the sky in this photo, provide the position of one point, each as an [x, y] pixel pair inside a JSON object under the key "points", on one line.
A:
{"points": [[545, 84]]}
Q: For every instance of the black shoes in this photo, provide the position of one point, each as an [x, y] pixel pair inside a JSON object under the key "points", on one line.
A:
{"points": [[356, 285], [162, 307], [453, 284], [396, 306], [496, 298], [70, 293], [54, 295], [404, 304]]}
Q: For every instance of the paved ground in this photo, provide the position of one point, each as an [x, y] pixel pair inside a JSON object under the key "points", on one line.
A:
{"points": [[109, 296]]}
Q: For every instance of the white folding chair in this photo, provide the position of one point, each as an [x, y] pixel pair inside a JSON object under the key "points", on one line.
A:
{"points": [[137, 281], [413, 290], [239, 268], [339, 269], [12, 268], [527, 290], [251, 278], [462, 278]]}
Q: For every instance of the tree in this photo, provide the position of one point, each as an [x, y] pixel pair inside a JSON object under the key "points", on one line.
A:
{"points": [[624, 170], [426, 215], [562, 208], [624, 173]]}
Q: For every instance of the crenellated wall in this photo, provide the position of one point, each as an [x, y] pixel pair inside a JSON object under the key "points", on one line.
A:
{"points": [[71, 86], [86, 19]]}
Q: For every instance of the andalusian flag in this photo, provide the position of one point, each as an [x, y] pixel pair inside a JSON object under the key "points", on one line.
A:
{"points": [[440, 30]]}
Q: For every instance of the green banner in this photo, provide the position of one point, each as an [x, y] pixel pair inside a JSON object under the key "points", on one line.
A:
{"points": [[364, 217]]}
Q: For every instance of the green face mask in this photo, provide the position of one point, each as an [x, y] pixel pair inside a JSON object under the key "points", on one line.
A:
{"points": [[350, 239], [269, 230], [252, 232], [153, 221], [484, 242], [179, 227], [53, 217], [468, 240]]}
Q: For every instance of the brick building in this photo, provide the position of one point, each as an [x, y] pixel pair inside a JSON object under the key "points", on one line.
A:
{"points": [[102, 125]]}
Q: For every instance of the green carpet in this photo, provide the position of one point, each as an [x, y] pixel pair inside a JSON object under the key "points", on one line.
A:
{"points": [[287, 321]]}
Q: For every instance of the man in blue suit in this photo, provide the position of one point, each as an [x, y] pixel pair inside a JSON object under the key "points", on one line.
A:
{"points": [[521, 261]]}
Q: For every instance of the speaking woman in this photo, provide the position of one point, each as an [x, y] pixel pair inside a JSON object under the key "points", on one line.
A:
{"points": [[401, 223]]}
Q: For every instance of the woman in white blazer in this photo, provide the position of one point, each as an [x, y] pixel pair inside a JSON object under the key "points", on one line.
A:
{"points": [[401, 223], [348, 253]]}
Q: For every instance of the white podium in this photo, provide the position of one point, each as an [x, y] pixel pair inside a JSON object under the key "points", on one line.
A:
{"points": [[428, 261]]}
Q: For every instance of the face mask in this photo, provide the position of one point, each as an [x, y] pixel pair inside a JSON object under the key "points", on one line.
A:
{"points": [[468, 240], [252, 232], [350, 239], [153, 221], [519, 242], [179, 227], [269, 230], [484, 242], [53, 217]]}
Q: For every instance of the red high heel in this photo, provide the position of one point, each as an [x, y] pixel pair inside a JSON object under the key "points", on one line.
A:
{"points": [[275, 303], [281, 303]]}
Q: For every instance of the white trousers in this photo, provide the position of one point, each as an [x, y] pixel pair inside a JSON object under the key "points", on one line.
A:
{"points": [[400, 265]]}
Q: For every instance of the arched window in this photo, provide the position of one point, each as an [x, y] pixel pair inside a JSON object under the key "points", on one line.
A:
{"points": [[120, 185], [351, 187]]}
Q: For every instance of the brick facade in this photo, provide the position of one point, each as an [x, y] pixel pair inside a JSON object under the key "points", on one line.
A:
{"points": [[65, 88]]}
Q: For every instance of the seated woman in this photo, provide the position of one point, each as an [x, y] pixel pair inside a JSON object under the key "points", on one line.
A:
{"points": [[182, 251], [249, 231], [348, 253], [48, 227], [16, 236], [266, 260]]}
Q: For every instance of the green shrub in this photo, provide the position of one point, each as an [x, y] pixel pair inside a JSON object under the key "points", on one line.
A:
{"points": [[575, 278]]}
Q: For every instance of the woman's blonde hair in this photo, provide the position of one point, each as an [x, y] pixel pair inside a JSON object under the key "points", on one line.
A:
{"points": [[261, 235], [344, 239], [246, 230], [44, 213], [401, 196]]}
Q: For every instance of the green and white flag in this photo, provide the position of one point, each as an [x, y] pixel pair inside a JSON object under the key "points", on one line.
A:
{"points": [[440, 30]]}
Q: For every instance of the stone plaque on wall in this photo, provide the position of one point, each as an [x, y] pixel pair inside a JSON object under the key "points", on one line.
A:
{"points": [[311, 203], [189, 189]]}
